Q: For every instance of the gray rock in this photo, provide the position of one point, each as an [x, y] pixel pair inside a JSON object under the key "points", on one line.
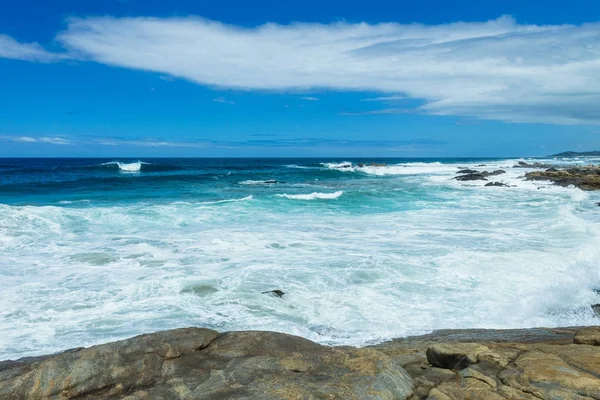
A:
{"points": [[471, 177], [497, 184]]}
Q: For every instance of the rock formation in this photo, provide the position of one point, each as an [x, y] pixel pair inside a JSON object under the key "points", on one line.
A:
{"points": [[195, 363], [586, 178]]}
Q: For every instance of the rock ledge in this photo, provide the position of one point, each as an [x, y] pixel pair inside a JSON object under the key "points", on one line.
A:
{"points": [[196, 363]]}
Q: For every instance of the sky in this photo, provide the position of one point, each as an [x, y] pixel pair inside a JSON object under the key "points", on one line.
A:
{"points": [[183, 78]]}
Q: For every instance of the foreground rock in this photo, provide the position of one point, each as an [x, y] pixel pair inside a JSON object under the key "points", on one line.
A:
{"points": [[527, 364], [195, 363], [586, 178]]}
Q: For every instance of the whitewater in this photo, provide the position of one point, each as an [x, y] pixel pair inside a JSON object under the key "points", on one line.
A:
{"points": [[93, 251]]}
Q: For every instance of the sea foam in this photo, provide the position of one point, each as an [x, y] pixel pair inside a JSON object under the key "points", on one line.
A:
{"points": [[312, 196]]}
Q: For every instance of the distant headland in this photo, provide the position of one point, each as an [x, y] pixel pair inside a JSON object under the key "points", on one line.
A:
{"points": [[578, 154]]}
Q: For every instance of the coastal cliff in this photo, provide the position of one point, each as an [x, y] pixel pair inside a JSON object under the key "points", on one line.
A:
{"points": [[196, 363]]}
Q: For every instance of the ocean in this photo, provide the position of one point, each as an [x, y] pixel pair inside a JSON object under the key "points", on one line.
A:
{"points": [[95, 250]]}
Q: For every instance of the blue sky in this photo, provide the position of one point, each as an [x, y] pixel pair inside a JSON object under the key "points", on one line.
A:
{"points": [[135, 78]]}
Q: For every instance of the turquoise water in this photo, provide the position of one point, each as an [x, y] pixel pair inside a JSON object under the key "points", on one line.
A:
{"points": [[98, 250]]}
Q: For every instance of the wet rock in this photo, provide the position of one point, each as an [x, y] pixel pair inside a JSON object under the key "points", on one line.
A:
{"points": [[471, 177], [496, 184], [377, 165], [467, 171], [585, 178], [494, 173], [523, 164], [596, 309], [276, 293], [590, 335]]}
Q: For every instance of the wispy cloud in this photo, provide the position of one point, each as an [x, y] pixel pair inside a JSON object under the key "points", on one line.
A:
{"points": [[499, 70], [25, 139], [10, 48], [385, 111], [223, 100], [55, 140], [29, 139], [309, 98], [387, 98], [270, 143]]}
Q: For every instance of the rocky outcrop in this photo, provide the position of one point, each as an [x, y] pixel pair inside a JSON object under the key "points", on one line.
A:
{"points": [[528, 364], [523, 164], [473, 175], [497, 184], [586, 178], [195, 363]]}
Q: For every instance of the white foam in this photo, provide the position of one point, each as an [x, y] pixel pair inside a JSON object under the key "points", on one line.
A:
{"points": [[312, 196], [253, 182], [341, 165], [127, 167], [247, 198], [446, 256]]}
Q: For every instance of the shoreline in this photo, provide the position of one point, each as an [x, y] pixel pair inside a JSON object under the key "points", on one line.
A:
{"points": [[197, 363]]}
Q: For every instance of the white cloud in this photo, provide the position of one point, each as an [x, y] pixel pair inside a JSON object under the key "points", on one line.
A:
{"points": [[10, 48], [55, 140], [309, 98], [498, 70], [25, 139], [222, 100]]}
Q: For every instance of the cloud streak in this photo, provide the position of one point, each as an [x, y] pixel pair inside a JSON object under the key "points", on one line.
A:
{"points": [[10, 48], [222, 100], [496, 70], [29, 139]]}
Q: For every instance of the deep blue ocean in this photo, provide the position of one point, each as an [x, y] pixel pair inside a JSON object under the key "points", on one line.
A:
{"points": [[94, 250]]}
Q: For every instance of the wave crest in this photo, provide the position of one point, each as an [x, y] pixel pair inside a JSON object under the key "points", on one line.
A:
{"points": [[312, 196], [126, 167]]}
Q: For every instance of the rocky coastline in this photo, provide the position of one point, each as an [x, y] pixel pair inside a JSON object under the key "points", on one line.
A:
{"points": [[197, 363], [585, 178]]}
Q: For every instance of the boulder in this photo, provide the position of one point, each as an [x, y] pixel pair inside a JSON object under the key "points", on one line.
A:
{"points": [[467, 171], [496, 184], [455, 356]]}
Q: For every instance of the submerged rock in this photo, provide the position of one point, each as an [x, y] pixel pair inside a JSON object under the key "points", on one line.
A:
{"points": [[467, 171], [276, 293], [200, 290], [596, 309]]}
